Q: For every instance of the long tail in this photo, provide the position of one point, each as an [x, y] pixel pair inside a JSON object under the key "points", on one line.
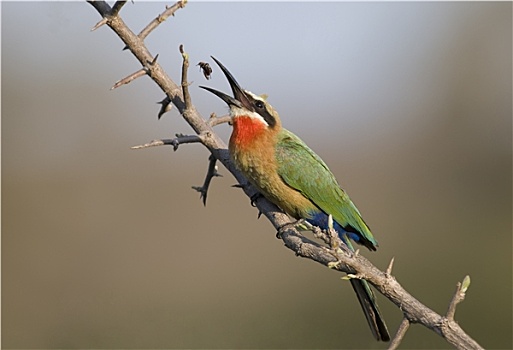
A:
{"points": [[369, 305], [370, 309]]}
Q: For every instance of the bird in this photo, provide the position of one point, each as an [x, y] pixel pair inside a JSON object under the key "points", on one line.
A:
{"points": [[292, 176]]}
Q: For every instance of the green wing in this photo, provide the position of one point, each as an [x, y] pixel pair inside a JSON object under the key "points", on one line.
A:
{"points": [[306, 172]]}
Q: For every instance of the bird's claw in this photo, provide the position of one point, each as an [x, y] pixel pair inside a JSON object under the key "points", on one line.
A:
{"points": [[254, 198], [286, 226], [334, 264]]}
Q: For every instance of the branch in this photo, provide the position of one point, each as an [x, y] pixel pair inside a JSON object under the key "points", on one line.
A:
{"points": [[179, 140], [331, 255], [211, 172], [459, 295], [117, 7], [215, 120], [403, 327], [170, 11], [129, 78]]}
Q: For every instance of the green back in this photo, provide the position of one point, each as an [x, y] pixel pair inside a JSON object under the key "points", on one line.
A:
{"points": [[306, 172]]}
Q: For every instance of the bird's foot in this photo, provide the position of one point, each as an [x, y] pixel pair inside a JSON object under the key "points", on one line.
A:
{"points": [[254, 198], [334, 264], [284, 227]]}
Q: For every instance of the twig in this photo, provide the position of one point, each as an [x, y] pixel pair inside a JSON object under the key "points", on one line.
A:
{"points": [[128, 79], [102, 7], [185, 83], [214, 120], [99, 24], [117, 7], [141, 72], [170, 11], [179, 140], [211, 172], [459, 296], [403, 327]]}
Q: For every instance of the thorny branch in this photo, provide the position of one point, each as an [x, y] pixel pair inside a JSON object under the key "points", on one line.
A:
{"points": [[170, 11], [332, 255], [211, 173], [177, 141]]}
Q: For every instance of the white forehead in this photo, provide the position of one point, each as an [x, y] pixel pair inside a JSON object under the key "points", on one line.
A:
{"points": [[256, 97]]}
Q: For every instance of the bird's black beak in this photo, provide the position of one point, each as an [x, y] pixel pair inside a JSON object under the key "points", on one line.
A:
{"points": [[239, 98]]}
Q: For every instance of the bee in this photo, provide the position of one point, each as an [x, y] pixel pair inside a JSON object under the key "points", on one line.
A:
{"points": [[207, 70]]}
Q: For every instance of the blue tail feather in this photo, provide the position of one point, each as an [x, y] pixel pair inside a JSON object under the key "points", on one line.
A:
{"points": [[320, 219]]}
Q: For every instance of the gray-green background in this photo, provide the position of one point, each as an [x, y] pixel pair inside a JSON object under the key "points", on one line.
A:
{"points": [[106, 247]]}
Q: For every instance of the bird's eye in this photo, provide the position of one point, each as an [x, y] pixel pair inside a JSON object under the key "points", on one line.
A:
{"points": [[259, 104]]}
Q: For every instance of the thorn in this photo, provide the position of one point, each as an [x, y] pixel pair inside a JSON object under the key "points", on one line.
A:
{"points": [[152, 63], [203, 193], [133, 76], [340, 251], [175, 143], [388, 272], [99, 24]]}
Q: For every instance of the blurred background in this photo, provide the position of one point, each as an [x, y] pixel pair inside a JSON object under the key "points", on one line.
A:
{"points": [[410, 104]]}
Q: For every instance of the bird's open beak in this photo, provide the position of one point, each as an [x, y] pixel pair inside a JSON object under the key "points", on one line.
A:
{"points": [[239, 98]]}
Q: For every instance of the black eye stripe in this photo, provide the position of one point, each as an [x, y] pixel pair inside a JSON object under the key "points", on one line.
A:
{"points": [[260, 108], [268, 118]]}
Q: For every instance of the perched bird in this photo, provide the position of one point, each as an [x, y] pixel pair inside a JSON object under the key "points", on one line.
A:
{"points": [[289, 174]]}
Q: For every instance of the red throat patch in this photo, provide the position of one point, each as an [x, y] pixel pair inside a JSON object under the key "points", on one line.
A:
{"points": [[246, 132]]}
